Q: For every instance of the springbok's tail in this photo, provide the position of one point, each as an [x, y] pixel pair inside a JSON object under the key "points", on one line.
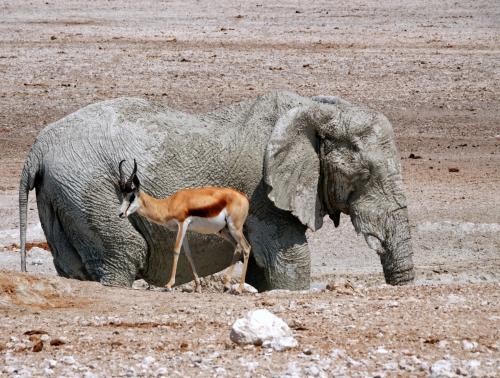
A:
{"points": [[26, 184]]}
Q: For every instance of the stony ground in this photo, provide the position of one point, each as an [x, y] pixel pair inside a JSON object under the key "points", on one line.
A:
{"points": [[83, 328], [431, 66]]}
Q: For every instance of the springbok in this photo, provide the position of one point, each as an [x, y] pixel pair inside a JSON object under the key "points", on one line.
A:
{"points": [[208, 210]]}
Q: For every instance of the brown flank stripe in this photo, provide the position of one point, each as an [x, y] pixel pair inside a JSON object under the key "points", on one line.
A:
{"points": [[208, 211]]}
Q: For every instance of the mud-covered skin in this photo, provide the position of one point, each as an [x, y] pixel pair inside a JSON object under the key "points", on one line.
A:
{"points": [[74, 167]]}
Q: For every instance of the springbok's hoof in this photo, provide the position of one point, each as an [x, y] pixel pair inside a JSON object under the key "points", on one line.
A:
{"points": [[168, 288], [227, 289], [197, 289]]}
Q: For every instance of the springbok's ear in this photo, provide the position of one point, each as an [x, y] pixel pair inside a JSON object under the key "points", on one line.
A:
{"points": [[292, 166]]}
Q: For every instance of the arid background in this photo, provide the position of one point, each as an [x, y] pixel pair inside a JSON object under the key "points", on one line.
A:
{"points": [[433, 67]]}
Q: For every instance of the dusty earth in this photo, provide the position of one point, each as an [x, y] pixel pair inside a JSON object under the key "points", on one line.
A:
{"points": [[432, 67]]}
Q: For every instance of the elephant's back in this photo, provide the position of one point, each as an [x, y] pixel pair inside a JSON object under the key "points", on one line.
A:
{"points": [[120, 120], [93, 140]]}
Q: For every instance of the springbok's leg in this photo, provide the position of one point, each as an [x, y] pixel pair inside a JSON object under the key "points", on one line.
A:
{"points": [[187, 250], [242, 244], [181, 232], [226, 234], [245, 246], [246, 255]]}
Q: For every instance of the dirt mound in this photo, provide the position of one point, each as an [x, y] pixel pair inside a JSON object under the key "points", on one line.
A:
{"points": [[26, 290]]}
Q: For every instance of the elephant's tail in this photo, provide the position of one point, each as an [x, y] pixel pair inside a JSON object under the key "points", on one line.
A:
{"points": [[28, 175]]}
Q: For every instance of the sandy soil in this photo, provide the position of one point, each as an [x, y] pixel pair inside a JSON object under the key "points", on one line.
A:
{"points": [[431, 66]]}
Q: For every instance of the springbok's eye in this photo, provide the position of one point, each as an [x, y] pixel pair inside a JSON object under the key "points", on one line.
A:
{"points": [[131, 198]]}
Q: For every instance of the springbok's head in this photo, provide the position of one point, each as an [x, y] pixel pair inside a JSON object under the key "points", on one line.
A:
{"points": [[130, 192]]}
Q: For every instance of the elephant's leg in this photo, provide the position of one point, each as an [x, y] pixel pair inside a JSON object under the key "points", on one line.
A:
{"points": [[116, 273], [106, 243], [67, 261], [280, 254]]}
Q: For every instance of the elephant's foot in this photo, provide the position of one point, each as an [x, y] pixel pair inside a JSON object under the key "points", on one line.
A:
{"points": [[256, 276], [290, 277], [400, 278]]}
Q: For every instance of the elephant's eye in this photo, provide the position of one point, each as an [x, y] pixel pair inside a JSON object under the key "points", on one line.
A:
{"points": [[328, 146]]}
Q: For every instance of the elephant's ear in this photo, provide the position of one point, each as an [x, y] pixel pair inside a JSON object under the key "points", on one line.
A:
{"points": [[292, 167]]}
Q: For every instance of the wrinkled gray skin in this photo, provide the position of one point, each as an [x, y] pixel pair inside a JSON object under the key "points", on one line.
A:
{"points": [[296, 158]]}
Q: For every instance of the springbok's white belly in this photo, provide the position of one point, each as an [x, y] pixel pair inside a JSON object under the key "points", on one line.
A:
{"points": [[208, 225]]}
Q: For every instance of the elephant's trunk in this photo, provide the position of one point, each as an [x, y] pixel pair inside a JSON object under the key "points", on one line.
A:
{"points": [[397, 255], [388, 233]]}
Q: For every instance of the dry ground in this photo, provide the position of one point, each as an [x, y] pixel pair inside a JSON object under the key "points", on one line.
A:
{"points": [[432, 67]]}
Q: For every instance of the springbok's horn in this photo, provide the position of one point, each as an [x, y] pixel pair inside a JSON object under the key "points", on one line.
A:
{"points": [[129, 181], [122, 179]]}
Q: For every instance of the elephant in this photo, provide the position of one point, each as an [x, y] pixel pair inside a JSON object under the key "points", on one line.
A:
{"points": [[297, 158]]}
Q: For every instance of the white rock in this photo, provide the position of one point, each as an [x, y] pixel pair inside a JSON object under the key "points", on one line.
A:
{"points": [[214, 355], [148, 360], [442, 344], [68, 360], [442, 368], [390, 366], [250, 365], [352, 362], [405, 365], [312, 370], [10, 369], [423, 366], [52, 363], [337, 353], [293, 370], [279, 309], [48, 371], [220, 371], [161, 371], [261, 326], [25, 372], [130, 372], [246, 288], [281, 343], [469, 345], [473, 364]]}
